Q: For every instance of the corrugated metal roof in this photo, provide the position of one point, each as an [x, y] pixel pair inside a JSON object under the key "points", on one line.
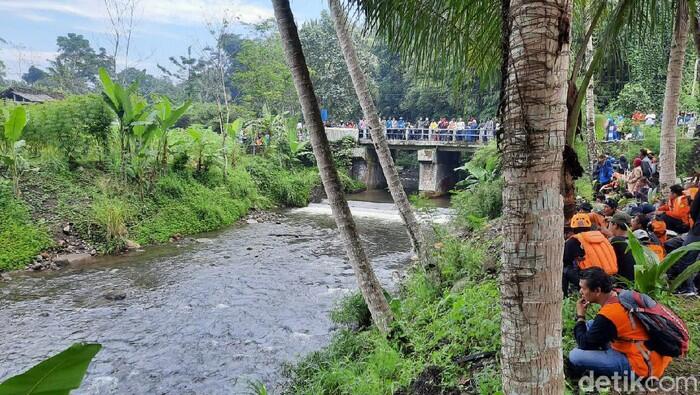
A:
{"points": [[28, 96]]}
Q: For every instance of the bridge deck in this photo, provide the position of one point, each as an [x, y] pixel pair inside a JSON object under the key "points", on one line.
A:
{"points": [[445, 139]]}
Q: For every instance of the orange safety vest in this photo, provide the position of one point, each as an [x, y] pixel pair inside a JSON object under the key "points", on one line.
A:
{"points": [[597, 220], [691, 192], [630, 339], [658, 250], [598, 252], [659, 229]]}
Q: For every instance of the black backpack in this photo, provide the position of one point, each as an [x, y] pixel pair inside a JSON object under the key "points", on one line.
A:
{"points": [[668, 334]]}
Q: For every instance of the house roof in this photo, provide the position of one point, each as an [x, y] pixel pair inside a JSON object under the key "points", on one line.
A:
{"points": [[28, 95]]}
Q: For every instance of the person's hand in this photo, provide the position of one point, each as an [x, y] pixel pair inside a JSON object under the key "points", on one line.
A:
{"points": [[581, 306]]}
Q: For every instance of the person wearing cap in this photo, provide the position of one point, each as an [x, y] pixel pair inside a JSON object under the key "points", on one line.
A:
{"points": [[597, 220], [617, 227], [645, 238], [584, 249], [676, 213]]}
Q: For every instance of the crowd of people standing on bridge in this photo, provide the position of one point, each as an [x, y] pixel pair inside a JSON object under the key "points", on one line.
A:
{"points": [[425, 128]]}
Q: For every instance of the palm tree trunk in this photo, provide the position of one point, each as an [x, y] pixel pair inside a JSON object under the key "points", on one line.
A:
{"points": [[536, 60], [667, 156], [359, 81], [590, 110], [366, 279]]}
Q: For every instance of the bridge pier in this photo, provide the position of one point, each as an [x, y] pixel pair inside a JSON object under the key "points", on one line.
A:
{"points": [[436, 171], [366, 168]]}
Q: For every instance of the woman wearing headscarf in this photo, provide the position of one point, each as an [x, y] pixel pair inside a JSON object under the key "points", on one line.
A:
{"points": [[635, 178]]}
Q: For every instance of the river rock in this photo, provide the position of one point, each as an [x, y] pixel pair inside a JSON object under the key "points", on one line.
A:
{"points": [[204, 240], [251, 221], [132, 245], [39, 258], [70, 259], [5, 277], [36, 266], [67, 229], [114, 295], [45, 255]]}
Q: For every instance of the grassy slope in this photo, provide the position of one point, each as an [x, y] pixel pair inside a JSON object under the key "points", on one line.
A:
{"points": [[100, 207]]}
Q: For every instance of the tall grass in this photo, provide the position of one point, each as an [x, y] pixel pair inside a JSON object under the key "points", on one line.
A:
{"points": [[112, 215]]}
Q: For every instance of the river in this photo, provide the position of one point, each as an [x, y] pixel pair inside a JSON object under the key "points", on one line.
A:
{"points": [[201, 317]]}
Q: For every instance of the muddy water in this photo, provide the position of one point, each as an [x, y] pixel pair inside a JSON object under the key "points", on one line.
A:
{"points": [[204, 317]]}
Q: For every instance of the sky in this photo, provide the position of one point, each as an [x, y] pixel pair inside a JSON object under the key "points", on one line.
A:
{"points": [[163, 28]]}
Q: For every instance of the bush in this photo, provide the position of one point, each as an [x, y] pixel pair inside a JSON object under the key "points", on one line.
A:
{"points": [[20, 238], [483, 201], [284, 187], [197, 209], [439, 329], [111, 215], [633, 97], [170, 186], [74, 125]]}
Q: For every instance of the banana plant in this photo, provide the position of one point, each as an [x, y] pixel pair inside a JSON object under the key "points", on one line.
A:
{"points": [[233, 129], [132, 113], [15, 122], [166, 118], [294, 144], [650, 272], [478, 175]]}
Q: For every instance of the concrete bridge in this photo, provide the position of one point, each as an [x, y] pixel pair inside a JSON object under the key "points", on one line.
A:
{"points": [[438, 151]]}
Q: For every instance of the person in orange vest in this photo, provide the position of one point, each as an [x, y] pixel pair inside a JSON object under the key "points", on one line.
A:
{"points": [[597, 220], [584, 249], [613, 342], [676, 213], [645, 239]]}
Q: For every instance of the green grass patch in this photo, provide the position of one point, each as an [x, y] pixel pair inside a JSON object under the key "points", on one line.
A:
{"points": [[21, 239], [440, 326]]}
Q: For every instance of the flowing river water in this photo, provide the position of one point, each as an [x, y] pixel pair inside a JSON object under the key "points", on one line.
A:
{"points": [[203, 317]]}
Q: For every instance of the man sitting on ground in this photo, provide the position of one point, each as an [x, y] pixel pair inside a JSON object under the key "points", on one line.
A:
{"points": [[617, 227], [603, 344], [586, 248], [676, 214]]}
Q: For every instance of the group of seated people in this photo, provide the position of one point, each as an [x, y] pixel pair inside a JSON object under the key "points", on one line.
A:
{"points": [[598, 264]]}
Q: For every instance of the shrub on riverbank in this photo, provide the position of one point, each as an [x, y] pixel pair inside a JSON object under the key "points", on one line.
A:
{"points": [[21, 239]]}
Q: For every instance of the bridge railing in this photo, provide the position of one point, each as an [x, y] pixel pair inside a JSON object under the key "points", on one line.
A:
{"points": [[474, 136], [480, 135]]}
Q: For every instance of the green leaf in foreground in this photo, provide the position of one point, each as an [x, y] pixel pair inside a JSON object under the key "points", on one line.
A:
{"points": [[57, 375]]}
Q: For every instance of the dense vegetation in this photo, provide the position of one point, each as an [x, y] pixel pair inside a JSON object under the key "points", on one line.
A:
{"points": [[72, 174]]}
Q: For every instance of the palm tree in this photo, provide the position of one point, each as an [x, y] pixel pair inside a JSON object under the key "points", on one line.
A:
{"points": [[366, 279], [667, 159], [534, 113], [377, 131]]}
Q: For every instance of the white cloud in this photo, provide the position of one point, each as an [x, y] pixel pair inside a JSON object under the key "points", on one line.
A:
{"points": [[31, 16], [178, 12]]}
